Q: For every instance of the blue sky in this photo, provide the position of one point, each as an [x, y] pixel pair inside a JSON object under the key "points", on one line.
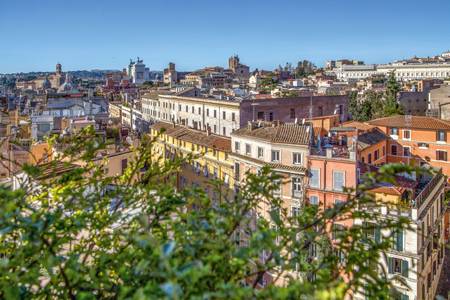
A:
{"points": [[104, 34]]}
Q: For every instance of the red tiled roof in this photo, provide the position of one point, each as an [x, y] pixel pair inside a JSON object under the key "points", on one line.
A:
{"points": [[417, 122], [283, 134], [357, 125], [194, 136], [390, 190]]}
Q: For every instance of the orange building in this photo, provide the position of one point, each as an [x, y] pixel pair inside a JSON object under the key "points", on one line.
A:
{"points": [[417, 140]]}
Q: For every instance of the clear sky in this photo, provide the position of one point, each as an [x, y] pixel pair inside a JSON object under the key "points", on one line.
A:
{"points": [[104, 34]]}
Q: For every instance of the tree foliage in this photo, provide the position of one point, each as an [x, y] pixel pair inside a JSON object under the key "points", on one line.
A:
{"points": [[371, 104], [84, 235]]}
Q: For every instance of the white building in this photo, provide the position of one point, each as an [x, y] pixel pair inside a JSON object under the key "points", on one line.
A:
{"points": [[403, 71], [138, 72], [355, 72], [407, 72], [217, 116], [417, 254]]}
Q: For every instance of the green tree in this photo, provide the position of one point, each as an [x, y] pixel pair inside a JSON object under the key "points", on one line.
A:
{"points": [[366, 107], [353, 105], [391, 105], [84, 235], [304, 68]]}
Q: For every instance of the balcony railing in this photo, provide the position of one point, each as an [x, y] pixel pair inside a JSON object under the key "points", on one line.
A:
{"points": [[425, 192]]}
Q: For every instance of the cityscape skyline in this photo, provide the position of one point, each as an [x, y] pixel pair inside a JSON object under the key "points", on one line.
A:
{"points": [[262, 33]]}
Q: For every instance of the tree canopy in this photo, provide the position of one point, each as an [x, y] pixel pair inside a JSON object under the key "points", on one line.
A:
{"points": [[80, 234], [371, 104]]}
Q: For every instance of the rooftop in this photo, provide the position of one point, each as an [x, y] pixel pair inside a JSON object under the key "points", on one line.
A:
{"points": [[291, 133], [414, 122], [370, 138], [194, 136]]}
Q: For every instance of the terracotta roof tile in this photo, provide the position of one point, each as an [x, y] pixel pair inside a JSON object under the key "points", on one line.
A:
{"points": [[415, 122], [275, 166], [194, 136], [370, 138], [282, 134]]}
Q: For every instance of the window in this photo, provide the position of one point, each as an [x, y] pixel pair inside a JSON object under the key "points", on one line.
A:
{"points": [[233, 117], [406, 134], [338, 180], [237, 174], [199, 111], [215, 129], [441, 155], [295, 211], [376, 155], [224, 131], [248, 149], [398, 240], [422, 145], [207, 112], [296, 158], [277, 190], [192, 109], [398, 266], [215, 114], [394, 149], [372, 232], [237, 146], [338, 202], [369, 158], [314, 200], [271, 116], [338, 231], [292, 113], [260, 115], [124, 164], [260, 152], [179, 107], [406, 151], [441, 136], [296, 187], [275, 155], [224, 115], [314, 180], [394, 131]]}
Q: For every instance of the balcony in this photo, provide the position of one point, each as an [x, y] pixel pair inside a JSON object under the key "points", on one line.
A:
{"points": [[334, 151], [426, 188], [336, 146]]}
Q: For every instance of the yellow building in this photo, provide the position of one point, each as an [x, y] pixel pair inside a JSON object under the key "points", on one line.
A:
{"points": [[210, 156]]}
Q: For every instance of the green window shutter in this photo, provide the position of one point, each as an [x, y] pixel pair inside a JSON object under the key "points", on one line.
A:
{"points": [[377, 235], [390, 265], [399, 240], [405, 268], [404, 297]]}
